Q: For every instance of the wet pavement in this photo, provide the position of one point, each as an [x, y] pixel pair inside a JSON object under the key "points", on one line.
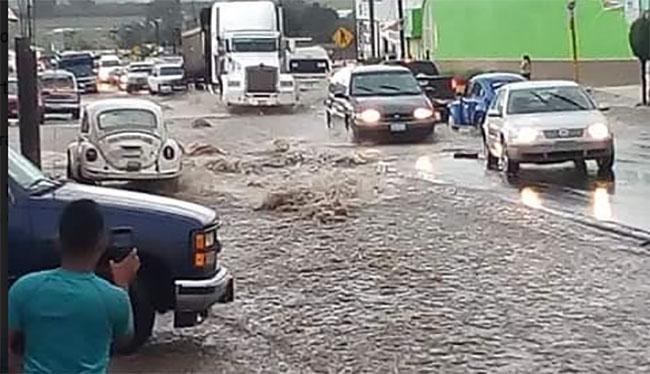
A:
{"points": [[402, 258]]}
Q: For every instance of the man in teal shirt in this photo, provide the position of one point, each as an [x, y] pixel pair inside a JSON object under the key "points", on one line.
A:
{"points": [[64, 320]]}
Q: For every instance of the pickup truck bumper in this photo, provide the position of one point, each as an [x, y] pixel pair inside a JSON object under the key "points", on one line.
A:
{"points": [[195, 297]]}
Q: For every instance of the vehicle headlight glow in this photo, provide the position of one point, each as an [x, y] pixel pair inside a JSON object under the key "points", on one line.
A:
{"points": [[598, 131], [422, 113], [526, 135], [370, 116]]}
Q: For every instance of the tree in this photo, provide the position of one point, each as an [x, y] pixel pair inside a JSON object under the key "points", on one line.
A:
{"points": [[304, 20], [640, 44]]}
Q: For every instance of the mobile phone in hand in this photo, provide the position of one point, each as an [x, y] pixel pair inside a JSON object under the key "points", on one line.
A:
{"points": [[121, 243]]}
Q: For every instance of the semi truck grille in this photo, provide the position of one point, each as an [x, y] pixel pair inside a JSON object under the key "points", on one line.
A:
{"points": [[261, 79]]}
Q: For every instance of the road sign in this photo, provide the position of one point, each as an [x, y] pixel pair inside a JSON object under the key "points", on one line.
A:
{"points": [[342, 37]]}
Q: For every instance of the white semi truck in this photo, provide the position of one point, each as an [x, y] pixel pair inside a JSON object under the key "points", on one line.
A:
{"points": [[239, 52]]}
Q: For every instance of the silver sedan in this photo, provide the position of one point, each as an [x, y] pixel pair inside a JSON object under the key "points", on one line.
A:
{"points": [[546, 122]]}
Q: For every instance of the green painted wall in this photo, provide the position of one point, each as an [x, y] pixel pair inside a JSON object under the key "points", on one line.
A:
{"points": [[507, 29]]}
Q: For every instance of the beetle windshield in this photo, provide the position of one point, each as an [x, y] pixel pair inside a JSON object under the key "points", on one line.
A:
{"points": [[548, 99], [125, 119], [384, 83]]}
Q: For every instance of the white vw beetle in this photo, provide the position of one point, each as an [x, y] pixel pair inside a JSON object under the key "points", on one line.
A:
{"points": [[123, 140]]}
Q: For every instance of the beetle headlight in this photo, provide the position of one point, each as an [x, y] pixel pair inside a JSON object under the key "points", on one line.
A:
{"points": [[422, 113], [598, 131], [370, 116], [526, 135]]}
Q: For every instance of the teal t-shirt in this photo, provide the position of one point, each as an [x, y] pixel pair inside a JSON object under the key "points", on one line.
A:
{"points": [[68, 320]]}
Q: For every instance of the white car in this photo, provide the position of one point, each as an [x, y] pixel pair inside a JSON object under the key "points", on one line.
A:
{"points": [[107, 65], [167, 78], [544, 122], [123, 140], [137, 76]]}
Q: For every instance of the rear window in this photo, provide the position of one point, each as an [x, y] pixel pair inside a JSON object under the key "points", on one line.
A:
{"points": [[126, 119]]}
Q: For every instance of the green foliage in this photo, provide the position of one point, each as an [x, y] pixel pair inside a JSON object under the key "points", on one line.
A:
{"points": [[640, 37]]}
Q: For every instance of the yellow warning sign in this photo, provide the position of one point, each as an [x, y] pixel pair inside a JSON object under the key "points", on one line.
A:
{"points": [[343, 37]]}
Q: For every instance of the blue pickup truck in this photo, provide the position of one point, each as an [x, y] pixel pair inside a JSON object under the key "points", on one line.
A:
{"points": [[177, 243], [470, 108]]}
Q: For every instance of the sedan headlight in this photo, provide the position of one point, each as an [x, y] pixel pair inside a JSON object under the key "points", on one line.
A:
{"points": [[598, 131], [370, 116], [422, 113], [526, 135]]}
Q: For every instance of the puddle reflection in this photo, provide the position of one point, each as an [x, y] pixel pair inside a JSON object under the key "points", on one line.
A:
{"points": [[424, 168], [530, 197], [602, 208]]}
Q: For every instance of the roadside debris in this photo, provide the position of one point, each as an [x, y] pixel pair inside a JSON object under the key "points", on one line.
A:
{"points": [[202, 149], [201, 123]]}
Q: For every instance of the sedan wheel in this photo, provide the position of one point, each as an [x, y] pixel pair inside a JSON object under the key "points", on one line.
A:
{"points": [[606, 164], [510, 167], [491, 162]]}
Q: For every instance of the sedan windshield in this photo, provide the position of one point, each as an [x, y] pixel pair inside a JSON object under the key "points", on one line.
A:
{"points": [[384, 84], [124, 119], [548, 99], [110, 63]]}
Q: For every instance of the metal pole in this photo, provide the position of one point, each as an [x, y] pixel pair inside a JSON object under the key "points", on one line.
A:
{"points": [[373, 41], [400, 15], [574, 44], [30, 137]]}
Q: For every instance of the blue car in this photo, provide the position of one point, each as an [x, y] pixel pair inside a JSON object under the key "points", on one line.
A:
{"points": [[177, 244], [470, 109]]}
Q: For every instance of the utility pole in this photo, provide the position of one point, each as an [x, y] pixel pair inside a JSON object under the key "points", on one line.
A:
{"points": [[571, 6], [402, 42], [30, 137], [373, 36]]}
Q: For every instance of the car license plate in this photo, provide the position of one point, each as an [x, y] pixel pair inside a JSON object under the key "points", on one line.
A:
{"points": [[132, 166], [397, 127], [565, 145], [165, 88]]}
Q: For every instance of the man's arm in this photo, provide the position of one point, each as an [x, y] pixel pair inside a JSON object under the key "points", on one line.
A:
{"points": [[16, 349]]}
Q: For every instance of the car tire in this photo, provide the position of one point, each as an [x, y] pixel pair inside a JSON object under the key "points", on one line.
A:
{"points": [[144, 316], [491, 162], [510, 167], [606, 164], [581, 166]]}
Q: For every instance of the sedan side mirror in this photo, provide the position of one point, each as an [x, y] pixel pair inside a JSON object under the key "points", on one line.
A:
{"points": [[493, 113]]}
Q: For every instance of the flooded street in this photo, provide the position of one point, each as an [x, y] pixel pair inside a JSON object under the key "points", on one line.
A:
{"points": [[403, 258]]}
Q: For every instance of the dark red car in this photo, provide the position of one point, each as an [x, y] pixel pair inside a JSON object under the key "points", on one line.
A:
{"points": [[12, 101]]}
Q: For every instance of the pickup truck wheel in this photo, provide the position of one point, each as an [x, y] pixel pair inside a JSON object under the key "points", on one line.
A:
{"points": [[510, 167], [144, 316]]}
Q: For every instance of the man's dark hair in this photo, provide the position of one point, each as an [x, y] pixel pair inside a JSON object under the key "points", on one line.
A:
{"points": [[81, 227], [527, 58]]}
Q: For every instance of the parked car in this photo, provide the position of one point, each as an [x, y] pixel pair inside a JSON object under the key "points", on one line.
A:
{"points": [[12, 101], [439, 88], [546, 122], [379, 101], [107, 64], [60, 92], [123, 140], [177, 243], [470, 108], [137, 76], [167, 78]]}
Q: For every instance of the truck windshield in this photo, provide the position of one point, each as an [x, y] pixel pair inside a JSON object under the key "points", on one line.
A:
{"points": [[384, 83], [109, 63], [57, 82], [171, 71], [79, 66], [254, 45], [26, 175]]}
